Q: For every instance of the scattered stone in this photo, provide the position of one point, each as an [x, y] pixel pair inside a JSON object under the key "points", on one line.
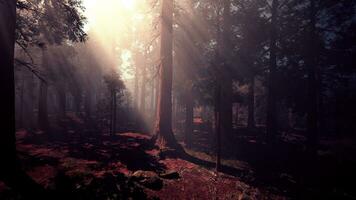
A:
{"points": [[140, 175], [170, 175], [148, 179]]}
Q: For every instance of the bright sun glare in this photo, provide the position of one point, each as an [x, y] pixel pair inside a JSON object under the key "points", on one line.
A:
{"points": [[109, 20], [129, 4]]}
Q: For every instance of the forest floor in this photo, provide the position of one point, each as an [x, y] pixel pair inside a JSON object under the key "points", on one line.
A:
{"points": [[128, 165]]}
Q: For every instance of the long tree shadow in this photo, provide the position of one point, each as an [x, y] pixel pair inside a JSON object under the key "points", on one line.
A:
{"points": [[132, 152]]}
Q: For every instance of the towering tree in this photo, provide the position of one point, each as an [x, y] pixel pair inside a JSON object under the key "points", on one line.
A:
{"points": [[226, 73], [7, 85], [312, 121], [251, 103], [163, 130], [43, 89], [10, 171], [271, 99]]}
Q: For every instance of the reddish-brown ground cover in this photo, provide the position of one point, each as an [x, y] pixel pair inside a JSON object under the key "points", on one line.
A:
{"points": [[85, 161]]}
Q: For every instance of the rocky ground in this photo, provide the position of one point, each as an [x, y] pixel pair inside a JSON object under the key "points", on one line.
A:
{"points": [[124, 166]]}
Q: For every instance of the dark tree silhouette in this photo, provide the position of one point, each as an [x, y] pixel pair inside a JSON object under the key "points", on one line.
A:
{"points": [[7, 85], [271, 99], [312, 121]]}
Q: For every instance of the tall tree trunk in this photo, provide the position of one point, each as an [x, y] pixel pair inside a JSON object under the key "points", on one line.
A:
{"points": [[77, 101], [156, 95], [114, 113], [152, 101], [174, 112], [163, 130], [42, 107], [312, 118], [7, 86], [237, 114], [21, 122], [271, 99], [43, 122], [111, 116], [217, 115], [88, 103], [10, 171], [226, 80], [136, 87], [189, 117], [143, 91], [62, 100], [29, 122], [251, 103]]}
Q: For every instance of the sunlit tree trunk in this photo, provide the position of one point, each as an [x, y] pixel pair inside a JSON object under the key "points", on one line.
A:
{"points": [[163, 130], [271, 98], [251, 103]]}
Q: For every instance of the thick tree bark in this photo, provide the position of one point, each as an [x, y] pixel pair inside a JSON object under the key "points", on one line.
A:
{"points": [[7, 86], [312, 118], [10, 171], [271, 99], [251, 104], [163, 130], [226, 79]]}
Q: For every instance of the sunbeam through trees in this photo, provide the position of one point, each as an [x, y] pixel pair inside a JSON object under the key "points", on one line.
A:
{"points": [[177, 99]]}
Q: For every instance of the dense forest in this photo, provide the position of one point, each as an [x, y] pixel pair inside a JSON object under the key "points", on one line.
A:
{"points": [[178, 99]]}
